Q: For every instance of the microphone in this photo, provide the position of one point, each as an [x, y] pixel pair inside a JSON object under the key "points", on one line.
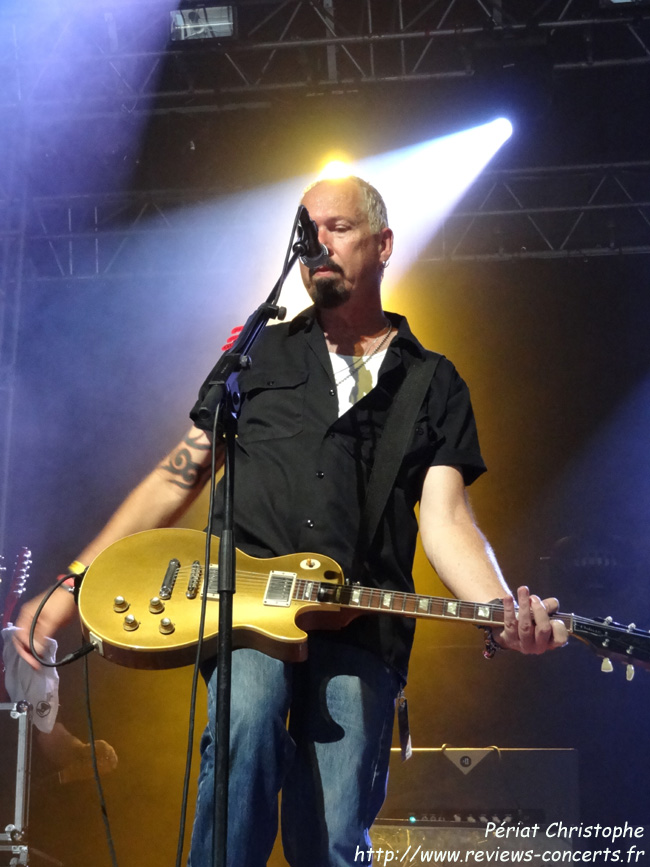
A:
{"points": [[313, 253]]}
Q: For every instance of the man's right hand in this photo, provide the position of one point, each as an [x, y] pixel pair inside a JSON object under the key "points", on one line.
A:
{"points": [[58, 610]]}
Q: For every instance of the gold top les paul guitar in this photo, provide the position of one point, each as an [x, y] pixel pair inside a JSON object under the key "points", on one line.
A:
{"points": [[140, 604]]}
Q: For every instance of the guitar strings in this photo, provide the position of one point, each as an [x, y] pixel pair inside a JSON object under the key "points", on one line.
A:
{"points": [[248, 578]]}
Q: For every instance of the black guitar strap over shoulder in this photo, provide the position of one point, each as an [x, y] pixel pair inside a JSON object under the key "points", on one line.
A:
{"points": [[391, 449]]}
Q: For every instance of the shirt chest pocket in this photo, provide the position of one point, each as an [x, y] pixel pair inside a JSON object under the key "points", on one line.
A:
{"points": [[272, 405]]}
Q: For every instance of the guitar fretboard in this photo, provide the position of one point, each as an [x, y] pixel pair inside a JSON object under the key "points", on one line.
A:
{"points": [[406, 604]]}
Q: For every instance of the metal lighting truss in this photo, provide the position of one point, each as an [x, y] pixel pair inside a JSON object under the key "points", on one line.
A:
{"points": [[113, 56], [70, 64], [557, 212], [554, 212]]}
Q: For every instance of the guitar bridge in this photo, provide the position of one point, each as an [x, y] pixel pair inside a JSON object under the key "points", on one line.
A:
{"points": [[169, 580], [279, 589]]}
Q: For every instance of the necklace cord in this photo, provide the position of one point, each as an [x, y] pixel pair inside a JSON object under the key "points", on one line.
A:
{"points": [[375, 347]]}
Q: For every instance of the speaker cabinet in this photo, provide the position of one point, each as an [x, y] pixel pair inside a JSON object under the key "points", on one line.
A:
{"points": [[471, 786], [475, 806]]}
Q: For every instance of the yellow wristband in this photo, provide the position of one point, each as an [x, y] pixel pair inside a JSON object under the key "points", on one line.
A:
{"points": [[76, 568]]}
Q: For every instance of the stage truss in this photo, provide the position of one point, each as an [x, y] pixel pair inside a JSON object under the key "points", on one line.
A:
{"points": [[109, 62]]}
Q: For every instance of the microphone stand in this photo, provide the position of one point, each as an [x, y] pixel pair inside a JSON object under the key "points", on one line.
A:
{"points": [[222, 401]]}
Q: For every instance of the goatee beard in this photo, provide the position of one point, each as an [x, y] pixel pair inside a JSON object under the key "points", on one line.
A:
{"points": [[328, 293]]}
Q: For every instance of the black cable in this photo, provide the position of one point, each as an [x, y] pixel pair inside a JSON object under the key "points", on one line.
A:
{"points": [[199, 649], [83, 651], [93, 755], [71, 657]]}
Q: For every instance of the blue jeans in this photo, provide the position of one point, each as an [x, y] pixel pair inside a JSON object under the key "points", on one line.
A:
{"points": [[331, 761]]}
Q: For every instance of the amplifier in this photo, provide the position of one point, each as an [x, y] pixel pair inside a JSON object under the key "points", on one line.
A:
{"points": [[469, 787], [15, 758], [395, 844]]}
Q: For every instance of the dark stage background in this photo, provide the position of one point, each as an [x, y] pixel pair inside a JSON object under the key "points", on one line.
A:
{"points": [[102, 365]]}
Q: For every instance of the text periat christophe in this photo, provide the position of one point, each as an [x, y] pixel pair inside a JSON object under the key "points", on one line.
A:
{"points": [[560, 830]]}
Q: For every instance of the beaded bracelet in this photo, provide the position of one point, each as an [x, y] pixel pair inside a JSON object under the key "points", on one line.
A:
{"points": [[491, 644]]}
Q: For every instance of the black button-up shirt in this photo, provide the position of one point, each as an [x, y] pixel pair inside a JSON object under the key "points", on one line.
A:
{"points": [[302, 471]]}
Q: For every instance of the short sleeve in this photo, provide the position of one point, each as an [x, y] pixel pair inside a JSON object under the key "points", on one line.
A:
{"points": [[454, 427]]}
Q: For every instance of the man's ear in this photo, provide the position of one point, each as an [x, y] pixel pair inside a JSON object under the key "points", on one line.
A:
{"points": [[386, 244]]}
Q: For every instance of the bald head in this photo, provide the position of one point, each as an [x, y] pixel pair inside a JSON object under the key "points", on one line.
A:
{"points": [[371, 201]]}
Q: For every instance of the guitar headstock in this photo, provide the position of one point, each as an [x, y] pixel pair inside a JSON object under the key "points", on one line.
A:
{"points": [[16, 586], [625, 644]]}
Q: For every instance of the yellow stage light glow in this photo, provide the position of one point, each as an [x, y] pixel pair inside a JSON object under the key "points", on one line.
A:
{"points": [[335, 168]]}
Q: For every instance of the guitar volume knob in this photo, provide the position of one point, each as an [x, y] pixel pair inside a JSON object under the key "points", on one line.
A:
{"points": [[130, 623], [120, 604], [166, 626], [156, 605]]}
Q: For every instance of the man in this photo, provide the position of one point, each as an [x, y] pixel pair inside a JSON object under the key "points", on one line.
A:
{"points": [[314, 405]]}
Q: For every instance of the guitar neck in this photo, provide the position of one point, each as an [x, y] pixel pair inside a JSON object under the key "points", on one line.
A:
{"points": [[409, 604], [16, 586]]}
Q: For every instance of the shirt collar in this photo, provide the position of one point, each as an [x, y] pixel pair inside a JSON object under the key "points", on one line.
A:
{"points": [[405, 338], [307, 322]]}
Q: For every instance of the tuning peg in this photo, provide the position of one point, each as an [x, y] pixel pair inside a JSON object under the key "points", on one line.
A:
{"points": [[629, 672], [607, 665]]}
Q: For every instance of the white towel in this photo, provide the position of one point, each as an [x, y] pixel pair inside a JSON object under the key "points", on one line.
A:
{"points": [[24, 683]]}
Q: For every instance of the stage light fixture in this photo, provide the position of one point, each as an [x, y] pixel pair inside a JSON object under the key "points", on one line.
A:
{"points": [[202, 22]]}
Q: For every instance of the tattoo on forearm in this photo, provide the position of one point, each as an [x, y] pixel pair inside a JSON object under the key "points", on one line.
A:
{"points": [[186, 472]]}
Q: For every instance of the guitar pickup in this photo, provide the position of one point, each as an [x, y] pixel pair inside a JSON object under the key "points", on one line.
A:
{"points": [[170, 579], [279, 589]]}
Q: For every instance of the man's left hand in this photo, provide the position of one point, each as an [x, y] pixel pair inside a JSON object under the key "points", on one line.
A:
{"points": [[530, 628]]}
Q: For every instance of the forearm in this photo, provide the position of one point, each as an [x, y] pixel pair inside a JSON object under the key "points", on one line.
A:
{"points": [[161, 498], [466, 564], [153, 503]]}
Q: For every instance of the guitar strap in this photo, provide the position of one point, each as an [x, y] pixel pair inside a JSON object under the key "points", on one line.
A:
{"points": [[391, 449], [394, 441]]}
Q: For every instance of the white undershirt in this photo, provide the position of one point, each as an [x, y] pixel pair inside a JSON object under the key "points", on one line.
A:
{"points": [[363, 370]]}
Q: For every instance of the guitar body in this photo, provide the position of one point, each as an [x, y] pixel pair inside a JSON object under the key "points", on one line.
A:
{"points": [[140, 605], [134, 569]]}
